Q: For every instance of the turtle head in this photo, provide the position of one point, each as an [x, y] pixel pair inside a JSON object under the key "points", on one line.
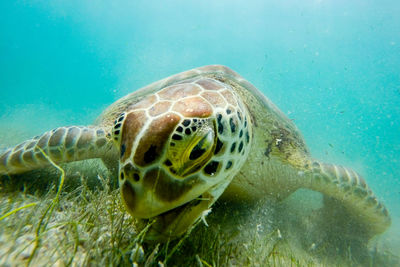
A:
{"points": [[176, 158]]}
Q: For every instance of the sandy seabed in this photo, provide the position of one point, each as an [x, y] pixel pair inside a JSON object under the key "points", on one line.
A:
{"points": [[88, 226]]}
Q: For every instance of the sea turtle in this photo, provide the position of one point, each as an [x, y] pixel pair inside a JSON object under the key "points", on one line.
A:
{"points": [[182, 142]]}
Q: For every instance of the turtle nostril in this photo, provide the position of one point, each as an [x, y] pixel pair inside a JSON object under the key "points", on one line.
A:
{"points": [[136, 177], [130, 173]]}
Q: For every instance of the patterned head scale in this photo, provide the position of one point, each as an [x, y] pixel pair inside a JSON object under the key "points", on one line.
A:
{"points": [[187, 139]]}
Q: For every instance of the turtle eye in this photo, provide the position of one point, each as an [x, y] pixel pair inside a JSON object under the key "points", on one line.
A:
{"points": [[202, 148], [191, 146]]}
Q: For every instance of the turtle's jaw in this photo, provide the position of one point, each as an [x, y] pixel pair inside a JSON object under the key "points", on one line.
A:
{"points": [[159, 192], [168, 219], [175, 222], [169, 222], [170, 205]]}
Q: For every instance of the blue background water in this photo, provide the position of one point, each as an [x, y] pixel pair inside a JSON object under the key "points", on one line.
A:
{"points": [[333, 66]]}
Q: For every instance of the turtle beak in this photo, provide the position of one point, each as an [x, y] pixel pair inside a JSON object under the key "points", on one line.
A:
{"points": [[174, 223], [151, 192]]}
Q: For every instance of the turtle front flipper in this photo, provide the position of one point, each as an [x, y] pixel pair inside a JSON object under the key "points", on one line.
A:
{"points": [[344, 186], [64, 144]]}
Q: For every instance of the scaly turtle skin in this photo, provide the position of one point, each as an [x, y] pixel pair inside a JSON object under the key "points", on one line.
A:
{"points": [[183, 141]]}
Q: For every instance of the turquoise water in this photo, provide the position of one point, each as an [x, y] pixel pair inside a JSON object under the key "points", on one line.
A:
{"points": [[332, 66]]}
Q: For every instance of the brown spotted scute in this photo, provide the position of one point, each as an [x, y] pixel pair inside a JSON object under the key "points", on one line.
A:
{"points": [[150, 122], [154, 139], [159, 162], [158, 118], [132, 124], [232, 126], [231, 121]]}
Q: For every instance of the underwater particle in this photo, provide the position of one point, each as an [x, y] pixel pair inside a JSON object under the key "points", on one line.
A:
{"points": [[279, 234], [278, 141], [259, 227]]}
